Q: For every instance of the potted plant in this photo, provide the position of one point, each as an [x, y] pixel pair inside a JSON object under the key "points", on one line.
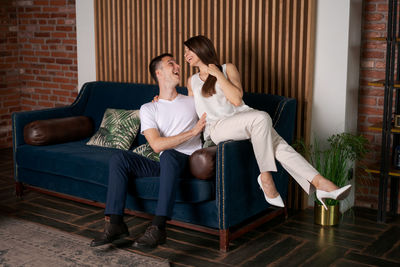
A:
{"points": [[335, 162]]}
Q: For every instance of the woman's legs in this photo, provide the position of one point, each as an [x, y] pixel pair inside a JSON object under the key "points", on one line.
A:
{"points": [[267, 145], [299, 168], [295, 164], [256, 126]]}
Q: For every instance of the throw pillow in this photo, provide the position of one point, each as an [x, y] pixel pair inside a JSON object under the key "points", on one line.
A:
{"points": [[118, 129], [145, 150]]}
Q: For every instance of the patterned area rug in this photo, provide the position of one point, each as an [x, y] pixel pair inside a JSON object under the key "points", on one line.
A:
{"points": [[24, 243]]}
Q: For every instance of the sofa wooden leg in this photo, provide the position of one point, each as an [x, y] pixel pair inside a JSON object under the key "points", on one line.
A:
{"points": [[224, 240], [19, 189]]}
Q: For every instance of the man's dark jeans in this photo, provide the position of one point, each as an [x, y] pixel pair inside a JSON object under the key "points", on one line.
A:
{"points": [[126, 165]]}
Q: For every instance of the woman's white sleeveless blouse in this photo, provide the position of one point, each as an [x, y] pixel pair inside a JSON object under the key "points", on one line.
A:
{"points": [[216, 106]]}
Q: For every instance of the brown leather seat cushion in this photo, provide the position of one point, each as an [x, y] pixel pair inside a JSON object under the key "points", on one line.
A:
{"points": [[202, 163], [60, 130]]}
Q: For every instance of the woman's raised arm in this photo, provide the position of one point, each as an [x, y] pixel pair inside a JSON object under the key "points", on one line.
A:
{"points": [[231, 85]]}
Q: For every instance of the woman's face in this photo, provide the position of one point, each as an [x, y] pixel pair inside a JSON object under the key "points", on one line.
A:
{"points": [[191, 57]]}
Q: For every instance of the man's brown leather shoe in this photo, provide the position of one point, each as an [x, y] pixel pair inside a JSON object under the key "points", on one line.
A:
{"points": [[153, 237], [111, 233]]}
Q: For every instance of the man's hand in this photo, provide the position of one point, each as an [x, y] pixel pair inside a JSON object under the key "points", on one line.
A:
{"points": [[159, 143], [198, 128]]}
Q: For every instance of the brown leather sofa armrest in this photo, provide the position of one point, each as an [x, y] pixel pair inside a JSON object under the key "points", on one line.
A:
{"points": [[202, 163], [56, 131]]}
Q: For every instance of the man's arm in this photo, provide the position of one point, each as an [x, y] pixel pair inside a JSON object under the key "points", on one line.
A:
{"points": [[159, 143]]}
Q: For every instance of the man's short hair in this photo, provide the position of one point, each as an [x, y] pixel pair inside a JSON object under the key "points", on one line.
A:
{"points": [[154, 64]]}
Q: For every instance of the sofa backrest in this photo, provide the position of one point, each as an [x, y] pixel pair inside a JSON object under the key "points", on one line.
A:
{"points": [[281, 109], [265, 102], [95, 97]]}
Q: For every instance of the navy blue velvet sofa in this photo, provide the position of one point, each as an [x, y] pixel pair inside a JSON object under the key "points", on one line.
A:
{"points": [[80, 172]]}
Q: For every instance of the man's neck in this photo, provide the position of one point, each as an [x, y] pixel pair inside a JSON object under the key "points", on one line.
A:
{"points": [[167, 93]]}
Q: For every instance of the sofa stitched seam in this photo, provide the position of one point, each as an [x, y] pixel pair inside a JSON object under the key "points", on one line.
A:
{"points": [[276, 110], [71, 177], [280, 112], [80, 96]]}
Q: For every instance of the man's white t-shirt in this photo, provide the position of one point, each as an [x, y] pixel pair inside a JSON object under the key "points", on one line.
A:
{"points": [[171, 118]]}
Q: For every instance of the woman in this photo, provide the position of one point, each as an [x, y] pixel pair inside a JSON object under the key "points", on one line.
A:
{"points": [[218, 92]]}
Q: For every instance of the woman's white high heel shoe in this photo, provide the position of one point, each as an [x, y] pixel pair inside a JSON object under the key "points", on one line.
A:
{"points": [[276, 201], [337, 194]]}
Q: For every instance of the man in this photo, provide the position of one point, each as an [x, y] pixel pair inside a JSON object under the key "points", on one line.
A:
{"points": [[172, 128]]}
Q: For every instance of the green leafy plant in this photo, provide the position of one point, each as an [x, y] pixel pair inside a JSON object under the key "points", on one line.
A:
{"points": [[336, 161]]}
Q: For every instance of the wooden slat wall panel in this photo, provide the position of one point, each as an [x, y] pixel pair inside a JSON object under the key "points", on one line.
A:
{"points": [[270, 41]]}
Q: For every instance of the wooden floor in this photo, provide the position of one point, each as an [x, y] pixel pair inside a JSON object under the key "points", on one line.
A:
{"points": [[358, 241]]}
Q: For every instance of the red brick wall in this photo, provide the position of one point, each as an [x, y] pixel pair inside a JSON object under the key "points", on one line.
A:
{"points": [[47, 57], [371, 98], [9, 82], [47, 41]]}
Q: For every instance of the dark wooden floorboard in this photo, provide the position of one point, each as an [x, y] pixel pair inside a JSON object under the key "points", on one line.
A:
{"points": [[326, 257], [189, 238], [357, 241], [299, 255], [273, 253], [72, 209], [26, 215], [251, 248], [394, 253], [192, 248], [347, 263], [385, 242], [374, 261], [326, 236]]}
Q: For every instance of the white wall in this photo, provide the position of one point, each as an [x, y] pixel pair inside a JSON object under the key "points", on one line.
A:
{"points": [[353, 72], [85, 41], [337, 57], [337, 61]]}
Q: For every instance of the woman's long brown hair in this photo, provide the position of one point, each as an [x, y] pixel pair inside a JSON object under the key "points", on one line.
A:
{"points": [[204, 49]]}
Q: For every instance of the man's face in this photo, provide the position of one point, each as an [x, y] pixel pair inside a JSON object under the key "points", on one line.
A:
{"points": [[169, 70]]}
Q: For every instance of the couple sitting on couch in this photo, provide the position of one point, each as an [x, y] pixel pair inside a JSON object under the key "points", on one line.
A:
{"points": [[171, 127]]}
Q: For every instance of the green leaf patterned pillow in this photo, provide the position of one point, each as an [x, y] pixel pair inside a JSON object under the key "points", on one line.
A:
{"points": [[118, 129], [145, 150]]}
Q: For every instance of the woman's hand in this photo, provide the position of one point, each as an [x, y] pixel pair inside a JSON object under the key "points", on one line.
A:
{"points": [[231, 86], [213, 70]]}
